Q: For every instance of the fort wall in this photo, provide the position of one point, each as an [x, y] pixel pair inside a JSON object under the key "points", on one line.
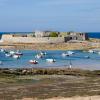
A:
{"points": [[11, 39]]}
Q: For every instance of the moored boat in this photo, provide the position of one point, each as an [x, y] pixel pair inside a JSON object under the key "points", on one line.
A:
{"points": [[86, 57], [43, 53], [18, 53], [70, 52], [8, 55], [65, 54], [33, 61], [91, 51], [99, 52], [51, 60], [1, 62], [39, 56], [2, 50], [16, 56], [12, 52]]}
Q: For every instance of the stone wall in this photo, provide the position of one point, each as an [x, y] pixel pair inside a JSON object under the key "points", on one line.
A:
{"points": [[9, 38]]}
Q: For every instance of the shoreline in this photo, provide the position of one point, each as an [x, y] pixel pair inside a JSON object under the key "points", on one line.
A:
{"points": [[49, 71], [45, 46]]}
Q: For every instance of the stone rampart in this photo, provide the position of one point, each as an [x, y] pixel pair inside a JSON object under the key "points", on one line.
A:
{"points": [[11, 39]]}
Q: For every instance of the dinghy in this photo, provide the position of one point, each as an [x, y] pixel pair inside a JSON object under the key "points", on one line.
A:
{"points": [[33, 61], [16, 56], [51, 60], [65, 54]]}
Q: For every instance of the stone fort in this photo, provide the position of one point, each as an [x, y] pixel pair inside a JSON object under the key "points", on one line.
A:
{"points": [[44, 37]]}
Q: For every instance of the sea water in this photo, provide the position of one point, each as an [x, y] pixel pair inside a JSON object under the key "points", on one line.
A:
{"points": [[78, 60]]}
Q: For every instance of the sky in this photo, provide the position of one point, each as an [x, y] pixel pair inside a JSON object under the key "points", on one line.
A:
{"points": [[53, 15]]}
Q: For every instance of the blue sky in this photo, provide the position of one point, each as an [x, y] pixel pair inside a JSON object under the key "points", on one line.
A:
{"points": [[59, 15]]}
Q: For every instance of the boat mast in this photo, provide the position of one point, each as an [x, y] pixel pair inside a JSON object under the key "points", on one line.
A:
{"points": [[70, 64]]}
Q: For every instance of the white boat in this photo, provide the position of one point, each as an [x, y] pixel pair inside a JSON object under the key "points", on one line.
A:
{"points": [[8, 55], [18, 53], [2, 50], [12, 52], [50, 60], [99, 52], [65, 54], [39, 56], [87, 57], [33, 61], [16, 56], [43, 53], [70, 64], [70, 52], [91, 51], [1, 62]]}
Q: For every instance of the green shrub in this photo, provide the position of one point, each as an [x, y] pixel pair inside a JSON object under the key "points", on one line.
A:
{"points": [[53, 34]]}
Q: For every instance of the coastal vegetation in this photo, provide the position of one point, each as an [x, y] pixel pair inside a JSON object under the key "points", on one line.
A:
{"points": [[53, 34]]}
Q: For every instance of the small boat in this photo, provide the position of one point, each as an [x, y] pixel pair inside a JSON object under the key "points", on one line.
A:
{"points": [[18, 53], [91, 51], [99, 52], [12, 52], [87, 57], [8, 55], [6, 52], [65, 54], [70, 64], [43, 53], [2, 50], [16, 56], [33, 61], [39, 56], [50, 60], [1, 62], [70, 52]]}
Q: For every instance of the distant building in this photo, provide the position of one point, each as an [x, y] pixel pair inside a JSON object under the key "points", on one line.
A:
{"points": [[78, 36], [42, 34], [44, 37]]}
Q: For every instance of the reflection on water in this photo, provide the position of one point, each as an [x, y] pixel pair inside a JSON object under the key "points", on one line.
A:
{"points": [[78, 60]]}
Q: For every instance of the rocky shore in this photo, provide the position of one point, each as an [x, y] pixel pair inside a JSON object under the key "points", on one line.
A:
{"points": [[49, 71], [48, 84]]}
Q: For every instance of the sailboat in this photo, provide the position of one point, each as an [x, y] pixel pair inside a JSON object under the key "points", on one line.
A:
{"points": [[70, 64], [1, 63]]}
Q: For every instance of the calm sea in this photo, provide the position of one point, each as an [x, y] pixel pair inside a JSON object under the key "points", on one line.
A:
{"points": [[94, 34], [78, 60]]}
